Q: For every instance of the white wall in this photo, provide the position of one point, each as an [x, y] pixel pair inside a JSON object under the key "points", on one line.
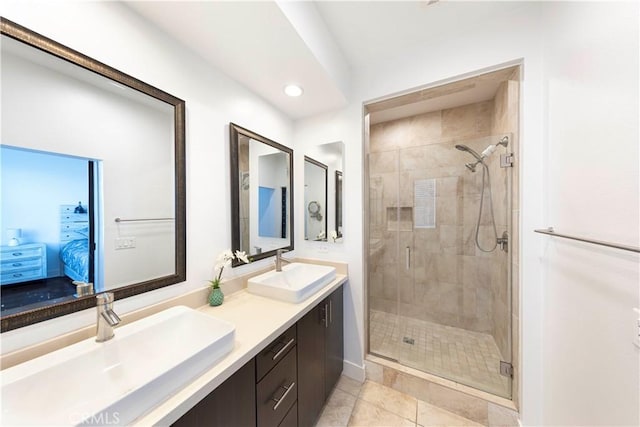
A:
{"points": [[591, 370], [111, 33]]}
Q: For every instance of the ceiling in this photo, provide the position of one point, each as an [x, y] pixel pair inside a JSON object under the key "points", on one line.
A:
{"points": [[265, 45]]}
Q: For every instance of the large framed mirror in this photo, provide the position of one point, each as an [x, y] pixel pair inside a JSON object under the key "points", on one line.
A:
{"points": [[94, 163], [315, 200], [261, 194]]}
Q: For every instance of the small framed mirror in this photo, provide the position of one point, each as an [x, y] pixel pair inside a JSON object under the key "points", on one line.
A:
{"points": [[315, 200], [261, 194], [331, 158], [338, 187]]}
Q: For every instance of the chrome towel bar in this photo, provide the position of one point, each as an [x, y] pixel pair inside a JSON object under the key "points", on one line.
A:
{"points": [[143, 219], [550, 232]]}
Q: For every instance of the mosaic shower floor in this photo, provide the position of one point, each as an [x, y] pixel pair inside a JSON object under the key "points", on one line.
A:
{"points": [[466, 357]]}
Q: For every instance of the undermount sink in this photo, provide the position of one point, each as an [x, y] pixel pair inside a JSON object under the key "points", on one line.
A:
{"points": [[115, 382], [295, 283]]}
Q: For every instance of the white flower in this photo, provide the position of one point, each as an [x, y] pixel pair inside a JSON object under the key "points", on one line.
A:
{"points": [[224, 260], [225, 255], [242, 256], [333, 234]]}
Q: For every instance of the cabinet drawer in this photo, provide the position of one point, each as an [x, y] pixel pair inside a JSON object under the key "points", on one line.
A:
{"points": [[73, 226], [73, 217], [275, 352], [65, 236], [21, 276], [291, 419], [277, 392], [22, 253], [10, 266]]}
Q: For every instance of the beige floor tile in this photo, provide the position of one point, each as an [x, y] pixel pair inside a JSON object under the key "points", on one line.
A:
{"points": [[337, 411], [366, 414], [502, 417], [349, 385], [432, 416], [389, 399]]}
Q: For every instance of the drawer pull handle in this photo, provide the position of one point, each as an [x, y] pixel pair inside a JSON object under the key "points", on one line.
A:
{"points": [[284, 396], [286, 346], [16, 264], [17, 254], [17, 275]]}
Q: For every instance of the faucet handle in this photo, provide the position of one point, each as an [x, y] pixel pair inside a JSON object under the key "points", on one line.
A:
{"points": [[281, 251], [104, 298]]}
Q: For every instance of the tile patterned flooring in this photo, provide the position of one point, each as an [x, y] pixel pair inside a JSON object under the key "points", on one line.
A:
{"points": [[466, 357], [372, 404]]}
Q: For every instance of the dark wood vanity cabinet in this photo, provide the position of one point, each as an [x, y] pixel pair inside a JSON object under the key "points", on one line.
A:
{"points": [[320, 356], [232, 403], [286, 384], [276, 387]]}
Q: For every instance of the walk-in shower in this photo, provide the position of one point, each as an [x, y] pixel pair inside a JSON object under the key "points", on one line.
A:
{"points": [[438, 268]]}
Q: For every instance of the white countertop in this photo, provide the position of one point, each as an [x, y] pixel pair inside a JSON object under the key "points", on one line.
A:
{"points": [[258, 321]]}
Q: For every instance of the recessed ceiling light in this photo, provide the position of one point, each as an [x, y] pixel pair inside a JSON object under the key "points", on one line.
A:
{"points": [[293, 90]]}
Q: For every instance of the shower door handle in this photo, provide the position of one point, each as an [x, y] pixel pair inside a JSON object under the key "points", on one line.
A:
{"points": [[408, 257]]}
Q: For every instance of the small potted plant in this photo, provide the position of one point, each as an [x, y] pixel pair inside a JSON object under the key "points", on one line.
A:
{"points": [[216, 297]]}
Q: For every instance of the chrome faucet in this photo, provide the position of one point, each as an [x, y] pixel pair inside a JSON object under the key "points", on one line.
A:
{"points": [[280, 260], [107, 318]]}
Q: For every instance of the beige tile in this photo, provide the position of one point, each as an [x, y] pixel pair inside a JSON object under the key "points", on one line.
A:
{"points": [[460, 403], [367, 414], [349, 385], [337, 410], [430, 415], [373, 371], [500, 416], [389, 399]]}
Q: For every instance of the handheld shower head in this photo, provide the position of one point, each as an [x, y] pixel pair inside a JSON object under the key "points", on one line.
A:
{"points": [[470, 151]]}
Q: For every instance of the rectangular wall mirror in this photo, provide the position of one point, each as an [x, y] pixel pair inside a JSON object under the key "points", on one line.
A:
{"points": [[315, 200], [261, 194], [94, 170], [331, 157]]}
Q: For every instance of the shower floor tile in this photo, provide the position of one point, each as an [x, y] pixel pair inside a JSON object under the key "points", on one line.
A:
{"points": [[466, 357]]}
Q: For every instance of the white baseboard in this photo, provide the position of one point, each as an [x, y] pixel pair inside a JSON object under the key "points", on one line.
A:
{"points": [[354, 371]]}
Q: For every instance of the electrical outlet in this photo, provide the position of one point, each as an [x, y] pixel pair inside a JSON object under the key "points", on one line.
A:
{"points": [[125, 242], [323, 249]]}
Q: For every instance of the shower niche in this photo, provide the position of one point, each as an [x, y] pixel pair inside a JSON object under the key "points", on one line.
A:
{"points": [[440, 208]]}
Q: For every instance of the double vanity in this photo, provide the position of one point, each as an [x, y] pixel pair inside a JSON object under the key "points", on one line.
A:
{"points": [[269, 356]]}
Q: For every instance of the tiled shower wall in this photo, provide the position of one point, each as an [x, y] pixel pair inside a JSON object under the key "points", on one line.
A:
{"points": [[450, 281]]}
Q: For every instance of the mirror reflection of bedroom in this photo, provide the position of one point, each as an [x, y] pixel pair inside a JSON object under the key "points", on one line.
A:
{"points": [[46, 219]]}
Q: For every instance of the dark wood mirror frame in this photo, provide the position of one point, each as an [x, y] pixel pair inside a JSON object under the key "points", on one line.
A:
{"points": [[326, 196], [38, 41], [234, 133], [338, 191]]}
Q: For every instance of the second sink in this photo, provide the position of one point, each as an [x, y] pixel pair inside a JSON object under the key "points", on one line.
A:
{"points": [[295, 283]]}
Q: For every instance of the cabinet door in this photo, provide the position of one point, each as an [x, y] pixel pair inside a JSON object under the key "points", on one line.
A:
{"points": [[311, 355], [232, 403], [334, 346]]}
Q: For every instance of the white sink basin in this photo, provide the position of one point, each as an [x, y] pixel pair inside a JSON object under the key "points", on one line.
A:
{"points": [[295, 283], [114, 382]]}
